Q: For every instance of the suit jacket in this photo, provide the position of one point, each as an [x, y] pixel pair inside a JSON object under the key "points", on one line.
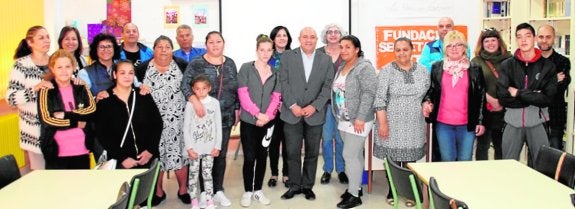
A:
{"points": [[295, 89]]}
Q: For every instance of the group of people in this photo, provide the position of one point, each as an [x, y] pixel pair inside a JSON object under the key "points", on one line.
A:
{"points": [[141, 103]]}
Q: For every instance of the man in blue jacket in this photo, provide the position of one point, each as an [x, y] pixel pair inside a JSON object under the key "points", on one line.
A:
{"points": [[131, 48]]}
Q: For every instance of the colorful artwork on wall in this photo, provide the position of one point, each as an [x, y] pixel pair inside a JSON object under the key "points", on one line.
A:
{"points": [[119, 12]]}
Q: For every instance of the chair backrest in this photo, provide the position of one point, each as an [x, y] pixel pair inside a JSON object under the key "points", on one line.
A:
{"points": [[123, 197], [9, 171], [547, 159], [567, 171], [442, 201], [403, 182], [143, 185]]}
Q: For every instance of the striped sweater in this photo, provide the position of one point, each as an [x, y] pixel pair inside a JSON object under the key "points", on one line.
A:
{"points": [[23, 77]]}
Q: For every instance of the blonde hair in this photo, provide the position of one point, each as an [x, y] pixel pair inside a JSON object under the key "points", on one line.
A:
{"points": [[60, 53], [451, 37]]}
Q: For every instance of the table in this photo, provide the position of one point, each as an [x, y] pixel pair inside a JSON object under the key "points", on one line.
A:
{"points": [[66, 189], [495, 184]]}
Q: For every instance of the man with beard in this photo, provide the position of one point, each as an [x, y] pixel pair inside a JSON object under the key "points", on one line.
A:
{"points": [[558, 106]]}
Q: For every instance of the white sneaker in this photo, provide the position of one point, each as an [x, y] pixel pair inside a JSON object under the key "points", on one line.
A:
{"points": [[222, 199], [203, 199], [260, 197], [195, 204], [246, 200], [210, 204]]}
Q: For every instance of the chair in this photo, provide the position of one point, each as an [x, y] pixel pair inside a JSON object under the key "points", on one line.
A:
{"points": [[567, 172], [547, 161], [441, 201], [403, 183], [123, 197], [144, 185], [9, 171]]}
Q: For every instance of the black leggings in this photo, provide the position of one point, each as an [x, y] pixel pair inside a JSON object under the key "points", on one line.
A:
{"points": [[71, 162], [255, 155]]}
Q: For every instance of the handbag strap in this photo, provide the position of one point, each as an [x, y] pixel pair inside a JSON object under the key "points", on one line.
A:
{"points": [[492, 68], [129, 119]]}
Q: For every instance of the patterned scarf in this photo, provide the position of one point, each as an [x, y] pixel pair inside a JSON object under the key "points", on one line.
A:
{"points": [[456, 69]]}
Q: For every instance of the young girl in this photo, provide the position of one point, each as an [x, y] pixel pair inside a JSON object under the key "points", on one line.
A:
{"points": [[63, 112], [203, 139], [259, 95]]}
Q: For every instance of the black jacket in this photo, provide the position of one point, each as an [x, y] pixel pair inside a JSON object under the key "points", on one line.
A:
{"points": [[49, 102], [475, 95], [111, 120], [557, 108], [535, 80]]}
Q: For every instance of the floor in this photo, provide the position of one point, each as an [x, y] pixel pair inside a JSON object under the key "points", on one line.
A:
{"points": [[327, 196]]}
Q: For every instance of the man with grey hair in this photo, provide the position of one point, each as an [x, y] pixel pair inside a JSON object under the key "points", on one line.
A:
{"points": [[305, 77], [185, 39]]}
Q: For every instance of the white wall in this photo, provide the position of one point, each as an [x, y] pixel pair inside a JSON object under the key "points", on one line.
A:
{"points": [[242, 22]]}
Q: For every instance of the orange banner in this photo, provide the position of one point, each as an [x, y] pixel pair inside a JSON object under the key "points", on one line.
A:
{"points": [[385, 36]]}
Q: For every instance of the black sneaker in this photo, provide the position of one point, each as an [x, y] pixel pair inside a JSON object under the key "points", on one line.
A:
{"points": [[342, 178], [350, 202], [185, 198], [325, 177], [346, 194]]}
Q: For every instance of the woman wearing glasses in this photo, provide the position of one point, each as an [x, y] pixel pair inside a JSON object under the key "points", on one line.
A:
{"points": [[98, 75], [455, 99], [490, 51], [330, 37]]}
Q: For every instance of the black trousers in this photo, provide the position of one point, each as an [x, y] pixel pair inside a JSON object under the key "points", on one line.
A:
{"points": [[71, 162], [278, 139], [255, 155], [297, 135]]}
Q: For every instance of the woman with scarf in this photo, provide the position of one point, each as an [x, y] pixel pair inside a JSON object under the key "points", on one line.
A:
{"points": [[490, 51], [455, 99]]}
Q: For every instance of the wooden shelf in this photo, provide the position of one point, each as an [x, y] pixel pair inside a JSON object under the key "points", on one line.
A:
{"points": [[551, 19], [496, 18]]}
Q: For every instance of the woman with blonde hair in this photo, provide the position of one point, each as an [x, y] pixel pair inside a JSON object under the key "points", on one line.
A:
{"points": [[455, 99]]}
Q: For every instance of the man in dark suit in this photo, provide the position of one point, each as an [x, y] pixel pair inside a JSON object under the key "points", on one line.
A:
{"points": [[306, 78]]}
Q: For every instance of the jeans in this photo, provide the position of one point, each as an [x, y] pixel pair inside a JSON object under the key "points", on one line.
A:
{"points": [[455, 142], [330, 133]]}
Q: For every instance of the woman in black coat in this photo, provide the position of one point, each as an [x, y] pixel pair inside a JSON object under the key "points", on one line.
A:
{"points": [[138, 145]]}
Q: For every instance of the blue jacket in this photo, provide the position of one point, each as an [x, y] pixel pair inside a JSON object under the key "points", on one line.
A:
{"points": [[145, 53], [194, 52], [96, 77], [432, 52]]}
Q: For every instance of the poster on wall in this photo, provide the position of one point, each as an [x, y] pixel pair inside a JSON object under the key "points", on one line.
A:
{"points": [[118, 13], [385, 37], [201, 17], [172, 16]]}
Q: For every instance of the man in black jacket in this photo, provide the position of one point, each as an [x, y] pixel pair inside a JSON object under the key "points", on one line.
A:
{"points": [[526, 85], [557, 108]]}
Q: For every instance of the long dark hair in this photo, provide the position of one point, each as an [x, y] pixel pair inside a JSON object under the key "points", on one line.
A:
{"points": [[63, 33], [23, 48], [355, 42], [275, 32]]}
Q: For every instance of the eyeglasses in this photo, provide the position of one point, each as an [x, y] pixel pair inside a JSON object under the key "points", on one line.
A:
{"points": [[332, 32], [458, 45], [104, 47]]}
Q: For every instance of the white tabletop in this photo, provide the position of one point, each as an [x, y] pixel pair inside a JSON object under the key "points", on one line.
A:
{"points": [[66, 189], [496, 184]]}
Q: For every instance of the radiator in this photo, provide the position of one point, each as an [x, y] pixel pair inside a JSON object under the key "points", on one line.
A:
{"points": [[10, 138]]}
